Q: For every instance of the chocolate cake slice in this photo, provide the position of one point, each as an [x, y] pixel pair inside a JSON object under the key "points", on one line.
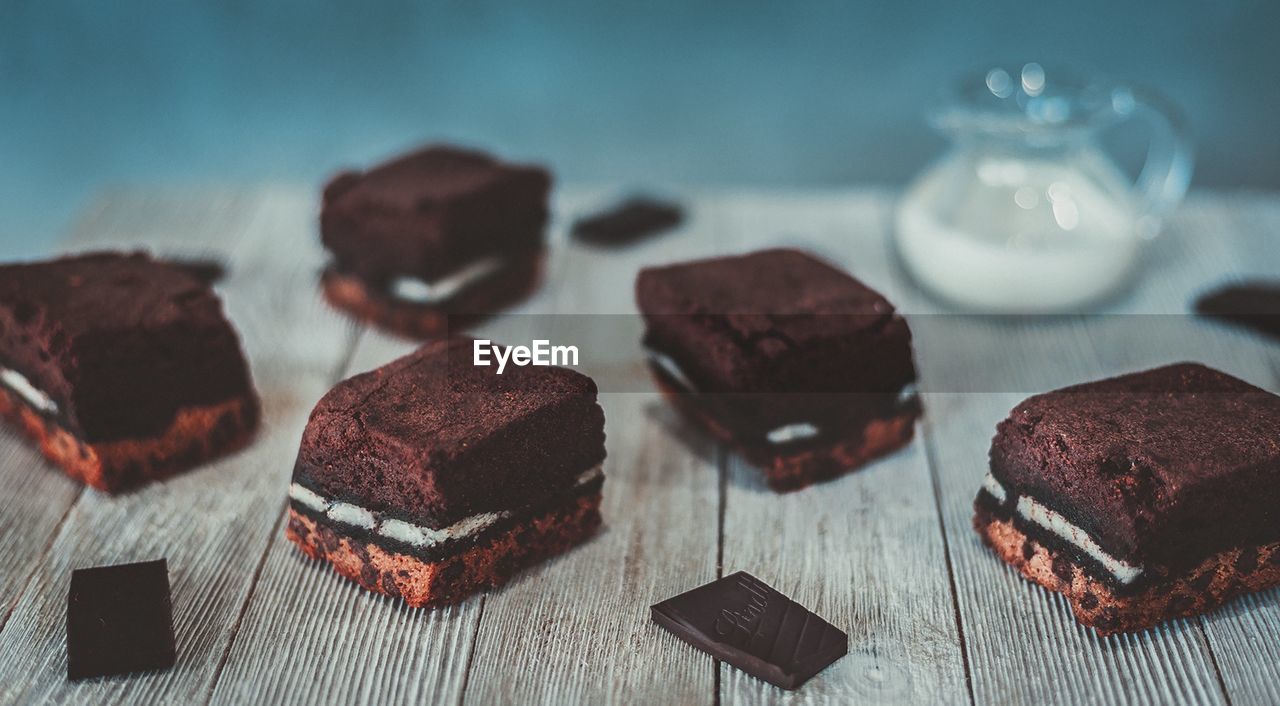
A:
{"points": [[431, 478], [120, 368], [1142, 498], [437, 235], [807, 372]]}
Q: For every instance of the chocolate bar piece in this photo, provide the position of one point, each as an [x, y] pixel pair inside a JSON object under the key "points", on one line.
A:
{"points": [[1256, 305], [119, 620], [741, 620], [627, 222]]}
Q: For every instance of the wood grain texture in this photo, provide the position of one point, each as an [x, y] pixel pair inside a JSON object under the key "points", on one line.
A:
{"points": [[212, 523], [865, 551], [887, 553], [577, 630]]}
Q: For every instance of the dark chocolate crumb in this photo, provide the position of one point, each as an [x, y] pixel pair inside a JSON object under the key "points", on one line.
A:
{"points": [[1063, 569], [369, 575], [504, 567], [1203, 581], [1247, 562], [389, 586], [329, 541], [452, 571], [1182, 603]]}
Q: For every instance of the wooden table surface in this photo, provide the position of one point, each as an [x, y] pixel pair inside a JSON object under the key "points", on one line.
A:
{"points": [[887, 554]]}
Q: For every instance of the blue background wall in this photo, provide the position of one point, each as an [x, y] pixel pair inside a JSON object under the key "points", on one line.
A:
{"points": [[671, 92]]}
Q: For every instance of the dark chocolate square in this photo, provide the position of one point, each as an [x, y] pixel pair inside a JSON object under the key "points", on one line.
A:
{"points": [[428, 213], [1255, 305], [119, 620], [628, 221], [118, 342], [1161, 468], [742, 621], [434, 438]]}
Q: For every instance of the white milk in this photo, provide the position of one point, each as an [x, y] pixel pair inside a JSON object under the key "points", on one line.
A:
{"points": [[1016, 235]]}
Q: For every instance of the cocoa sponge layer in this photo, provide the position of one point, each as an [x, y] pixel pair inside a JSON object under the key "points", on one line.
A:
{"points": [[794, 466], [428, 583], [371, 303], [195, 435], [1214, 581]]}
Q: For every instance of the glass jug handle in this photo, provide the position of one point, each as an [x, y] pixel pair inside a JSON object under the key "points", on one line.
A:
{"points": [[1166, 174]]}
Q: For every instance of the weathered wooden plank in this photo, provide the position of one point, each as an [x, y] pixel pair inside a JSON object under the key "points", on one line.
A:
{"points": [[577, 629], [864, 551], [213, 523], [28, 525]]}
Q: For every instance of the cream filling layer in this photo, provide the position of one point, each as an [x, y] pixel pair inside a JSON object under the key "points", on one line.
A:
{"points": [[1036, 512], [792, 432], [399, 530], [785, 434], [34, 396], [419, 291], [992, 486]]}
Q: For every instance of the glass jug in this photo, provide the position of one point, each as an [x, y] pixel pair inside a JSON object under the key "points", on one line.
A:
{"points": [[1026, 213]]}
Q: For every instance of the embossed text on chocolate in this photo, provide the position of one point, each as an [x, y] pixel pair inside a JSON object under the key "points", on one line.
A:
{"points": [[740, 622]]}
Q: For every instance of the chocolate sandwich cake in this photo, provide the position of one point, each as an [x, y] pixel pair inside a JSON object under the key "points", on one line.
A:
{"points": [[439, 235], [802, 369], [431, 478], [120, 368], [1141, 498]]}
